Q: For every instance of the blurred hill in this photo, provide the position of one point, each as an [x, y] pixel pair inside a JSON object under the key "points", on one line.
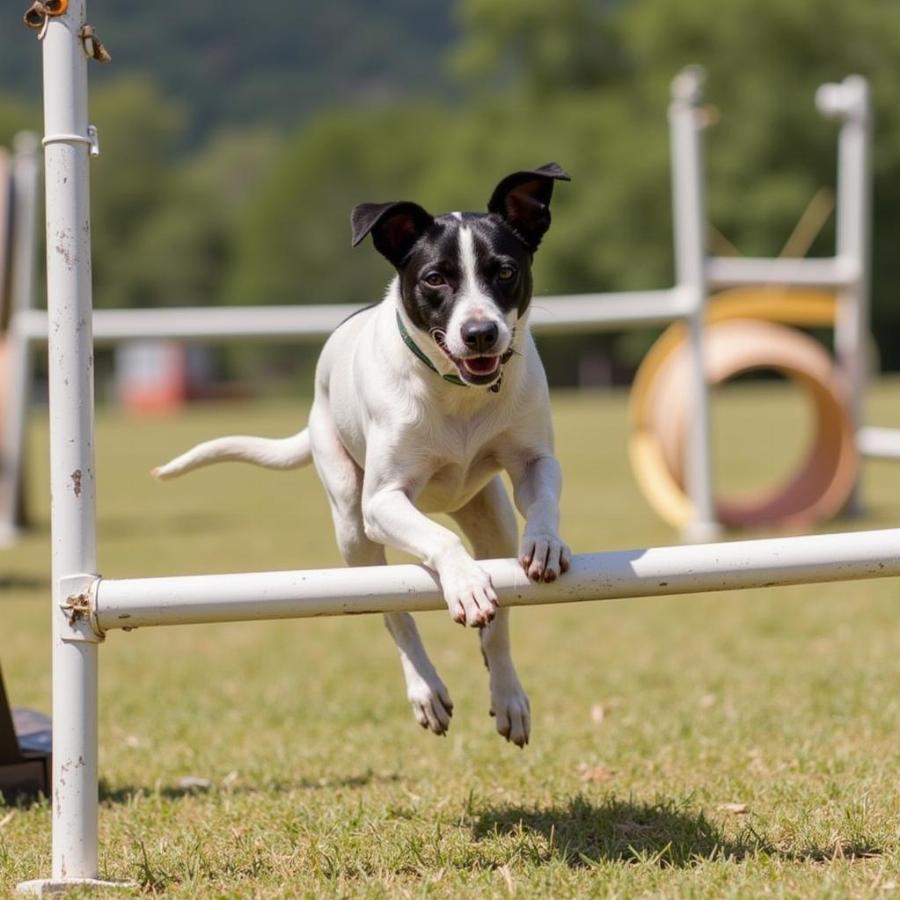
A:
{"points": [[237, 63]]}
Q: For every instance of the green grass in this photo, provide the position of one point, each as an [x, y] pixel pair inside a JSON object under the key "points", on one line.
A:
{"points": [[649, 715]]}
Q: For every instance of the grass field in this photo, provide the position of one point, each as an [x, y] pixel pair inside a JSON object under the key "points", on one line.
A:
{"points": [[727, 745]]}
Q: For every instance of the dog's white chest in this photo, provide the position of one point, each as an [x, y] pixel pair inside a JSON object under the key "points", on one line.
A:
{"points": [[463, 460], [453, 484]]}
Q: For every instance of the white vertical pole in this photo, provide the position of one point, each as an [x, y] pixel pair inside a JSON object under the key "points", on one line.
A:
{"points": [[73, 805], [25, 170], [850, 102], [689, 225]]}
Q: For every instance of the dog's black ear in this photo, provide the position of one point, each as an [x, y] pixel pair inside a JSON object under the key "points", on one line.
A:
{"points": [[523, 200], [395, 227]]}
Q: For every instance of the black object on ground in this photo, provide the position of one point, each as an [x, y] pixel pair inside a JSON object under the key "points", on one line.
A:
{"points": [[25, 751]]}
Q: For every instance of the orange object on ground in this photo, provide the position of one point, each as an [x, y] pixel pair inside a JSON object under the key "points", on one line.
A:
{"points": [[151, 376]]}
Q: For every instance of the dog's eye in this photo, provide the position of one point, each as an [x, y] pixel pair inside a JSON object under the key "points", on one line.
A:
{"points": [[434, 279], [506, 273]]}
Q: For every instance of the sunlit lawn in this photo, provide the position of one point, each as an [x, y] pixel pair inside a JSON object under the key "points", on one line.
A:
{"points": [[723, 745]]}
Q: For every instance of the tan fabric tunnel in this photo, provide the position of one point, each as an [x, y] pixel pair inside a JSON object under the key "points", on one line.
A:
{"points": [[819, 487]]}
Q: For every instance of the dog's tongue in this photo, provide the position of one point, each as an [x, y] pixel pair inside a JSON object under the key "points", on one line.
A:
{"points": [[481, 365]]}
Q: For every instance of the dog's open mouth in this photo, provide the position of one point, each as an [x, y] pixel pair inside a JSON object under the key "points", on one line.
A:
{"points": [[481, 365], [478, 370]]}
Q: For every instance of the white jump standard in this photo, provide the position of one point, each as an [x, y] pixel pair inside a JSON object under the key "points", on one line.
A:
{"points": [[73, 508], [85, 607]]}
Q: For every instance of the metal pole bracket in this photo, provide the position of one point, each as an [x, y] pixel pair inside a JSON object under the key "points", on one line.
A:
{"points": [[78, 604], [92, 139]]}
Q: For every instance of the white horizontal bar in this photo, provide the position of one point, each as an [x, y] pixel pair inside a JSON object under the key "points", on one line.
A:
{"points": [[138, 602], [584, 312], [206, 323], [726, 271], [570, 313], [881, 443]]}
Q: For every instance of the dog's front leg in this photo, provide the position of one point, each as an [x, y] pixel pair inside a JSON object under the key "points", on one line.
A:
{"points": [[391, 518], [537, 484]]}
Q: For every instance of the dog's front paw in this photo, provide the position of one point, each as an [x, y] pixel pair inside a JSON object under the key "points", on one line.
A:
{"points": [[510, 707], [544, 556], [431, 704], [470, 595]]}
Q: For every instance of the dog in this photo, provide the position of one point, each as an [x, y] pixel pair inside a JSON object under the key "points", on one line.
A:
{"points": [[420, 402]]}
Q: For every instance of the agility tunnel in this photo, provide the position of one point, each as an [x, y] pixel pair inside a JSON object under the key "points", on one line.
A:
{"points": [[747, 331]]}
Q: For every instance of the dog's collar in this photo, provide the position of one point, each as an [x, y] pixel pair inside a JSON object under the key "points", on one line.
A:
{"points": [[453, 379]]}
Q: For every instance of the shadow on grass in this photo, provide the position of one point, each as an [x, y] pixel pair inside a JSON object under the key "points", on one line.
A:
{"points": [[364, 779], [127, 792], [583, 832]]}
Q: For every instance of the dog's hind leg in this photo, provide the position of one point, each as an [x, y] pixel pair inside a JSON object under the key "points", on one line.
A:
{"points": [[489, 522], [425, 691], [342, 480]]}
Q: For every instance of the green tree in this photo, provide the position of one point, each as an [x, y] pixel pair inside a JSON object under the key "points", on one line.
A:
{"points": [[294, 240], [164, 224], [544, 47], [16, 116], [181, 255], [130, 181]]}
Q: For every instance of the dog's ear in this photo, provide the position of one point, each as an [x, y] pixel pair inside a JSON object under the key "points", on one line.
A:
{"points": [[395, 227], [523, 201]]}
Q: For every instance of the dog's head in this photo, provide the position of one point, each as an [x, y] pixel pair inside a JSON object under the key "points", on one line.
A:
{"points": [[465, 278]]}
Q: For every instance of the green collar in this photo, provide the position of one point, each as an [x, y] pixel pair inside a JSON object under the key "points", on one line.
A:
{"points": [[417, 351], [453, 379]]}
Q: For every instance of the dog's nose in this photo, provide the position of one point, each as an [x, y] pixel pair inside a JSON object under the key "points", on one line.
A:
{"points": [[480, 334]]}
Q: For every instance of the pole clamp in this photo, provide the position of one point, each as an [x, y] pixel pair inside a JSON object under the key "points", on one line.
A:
{"points": [[92, 139], [78, 594]]}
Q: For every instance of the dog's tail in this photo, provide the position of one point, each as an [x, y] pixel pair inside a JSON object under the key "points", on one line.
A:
{"points": [[271, 453]]}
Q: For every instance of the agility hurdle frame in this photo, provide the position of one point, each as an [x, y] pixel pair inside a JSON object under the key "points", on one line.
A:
{"points": [[85, 606]]}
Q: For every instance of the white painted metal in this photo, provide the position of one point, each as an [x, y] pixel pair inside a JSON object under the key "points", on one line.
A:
{"points": [[879, 443], [689, 214], [269, 323], [73, 806], [576, 313], [18, 381], [659, 571], [850, 102], [566, 314], [727, 271], [70, 367]]}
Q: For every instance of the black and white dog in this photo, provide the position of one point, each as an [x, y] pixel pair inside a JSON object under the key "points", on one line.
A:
{"points": [[420, 403]]}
